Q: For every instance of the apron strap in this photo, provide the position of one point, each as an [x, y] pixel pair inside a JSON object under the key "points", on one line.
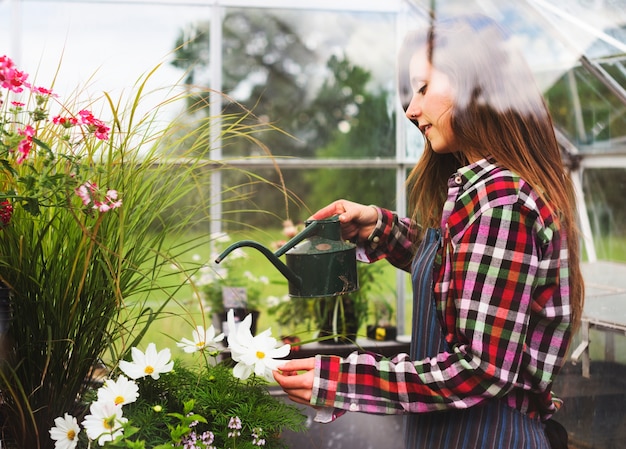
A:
{"points": [[426, 336]]}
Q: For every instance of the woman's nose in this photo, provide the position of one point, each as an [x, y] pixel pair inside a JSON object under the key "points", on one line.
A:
{"points": [[414, 110]]}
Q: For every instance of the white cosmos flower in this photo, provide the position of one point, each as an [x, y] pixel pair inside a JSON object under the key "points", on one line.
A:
{"points": [[105, 423], [152, 363], [119, 392], [202, 339], [253, 353], [65, 432]]}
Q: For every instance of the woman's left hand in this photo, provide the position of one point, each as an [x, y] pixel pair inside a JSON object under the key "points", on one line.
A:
{"points": [[298, 385]]}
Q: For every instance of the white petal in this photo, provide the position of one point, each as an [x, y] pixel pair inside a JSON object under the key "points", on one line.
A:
{"points": [[151, 352], [132, 370], [283, 351], [138, 356], [188, 346], [242, 371], [163, 358], [219, 338]]}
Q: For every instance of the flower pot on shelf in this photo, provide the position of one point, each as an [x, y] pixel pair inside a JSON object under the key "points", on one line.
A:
{"points": [[381, 333], [220, 319]]}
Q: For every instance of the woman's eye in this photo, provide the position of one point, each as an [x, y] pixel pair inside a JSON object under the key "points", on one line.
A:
{"points": [[422, 90]]}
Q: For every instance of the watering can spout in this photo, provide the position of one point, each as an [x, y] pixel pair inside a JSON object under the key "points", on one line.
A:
{"points": [[322, 266], [284, 269]]}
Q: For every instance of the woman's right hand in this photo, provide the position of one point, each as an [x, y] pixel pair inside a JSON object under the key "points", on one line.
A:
{"points": [[356, 219]]}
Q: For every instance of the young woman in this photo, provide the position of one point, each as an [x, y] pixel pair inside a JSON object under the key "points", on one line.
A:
{"points": [[492, 247]]}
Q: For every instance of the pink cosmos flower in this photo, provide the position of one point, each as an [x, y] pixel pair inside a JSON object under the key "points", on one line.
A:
{"points": [[110, 202], [66, 122], [84, 192], [90, 194], [42, 91], [26, 144], [100, 130], [10, 77]]}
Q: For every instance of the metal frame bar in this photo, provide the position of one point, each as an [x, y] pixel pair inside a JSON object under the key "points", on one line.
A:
{"points": [[327, 5], [601, 74]]}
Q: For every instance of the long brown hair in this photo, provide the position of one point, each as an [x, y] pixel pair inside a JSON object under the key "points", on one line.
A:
{"points": [[499, 113]]}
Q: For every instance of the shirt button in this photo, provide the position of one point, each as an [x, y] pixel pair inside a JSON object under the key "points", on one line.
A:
{"points": [[354, 407], [458, 180]]}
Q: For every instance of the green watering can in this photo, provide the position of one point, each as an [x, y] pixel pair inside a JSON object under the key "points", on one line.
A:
{"points": [[322, 265]]}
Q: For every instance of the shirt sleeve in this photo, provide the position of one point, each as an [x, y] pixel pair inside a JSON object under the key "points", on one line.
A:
{"points": [[492, 269], [393, 239]]}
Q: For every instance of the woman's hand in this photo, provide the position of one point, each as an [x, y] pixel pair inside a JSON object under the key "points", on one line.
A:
{"points": [[356, 219], [298, 386]]}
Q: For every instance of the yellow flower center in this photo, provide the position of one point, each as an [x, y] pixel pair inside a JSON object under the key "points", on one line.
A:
{"points": [[119, 400], [260, 355], [200, 344], [71, 435], [149, 369], [108, 423]]}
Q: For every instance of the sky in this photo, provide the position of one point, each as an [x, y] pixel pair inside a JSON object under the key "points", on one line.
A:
{"points": [[94, 47]]}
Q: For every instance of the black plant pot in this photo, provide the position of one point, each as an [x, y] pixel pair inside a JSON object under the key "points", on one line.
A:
{"points": [[381, 333]]}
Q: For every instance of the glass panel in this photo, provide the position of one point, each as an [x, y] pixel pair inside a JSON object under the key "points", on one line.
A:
{"points": [[616, 68], [591, 27], [329, 88], [257, 197], [605, 190], [586, 110]]}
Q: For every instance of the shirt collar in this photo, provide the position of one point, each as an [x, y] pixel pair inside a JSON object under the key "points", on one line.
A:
{"points": [[470, 174]]}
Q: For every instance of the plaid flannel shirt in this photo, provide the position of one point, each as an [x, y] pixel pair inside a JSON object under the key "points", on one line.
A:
{"points": [[502, 294]]}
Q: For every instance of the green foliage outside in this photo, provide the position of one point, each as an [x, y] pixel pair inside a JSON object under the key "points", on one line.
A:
{"points": [[339, 112]]}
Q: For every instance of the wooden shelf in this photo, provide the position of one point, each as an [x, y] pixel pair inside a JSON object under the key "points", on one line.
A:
{"points": [[386, 348]]}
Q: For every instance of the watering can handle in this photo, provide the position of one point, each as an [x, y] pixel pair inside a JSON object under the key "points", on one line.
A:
{"points": [[297, 239]]}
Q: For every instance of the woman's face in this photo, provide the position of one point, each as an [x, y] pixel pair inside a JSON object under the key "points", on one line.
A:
{"points": [[432, 103]]}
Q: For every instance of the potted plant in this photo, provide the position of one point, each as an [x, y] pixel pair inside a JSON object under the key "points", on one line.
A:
{"points": [[294, 316], [383, 328], [223, 288], [92, 214], [341, 318]]}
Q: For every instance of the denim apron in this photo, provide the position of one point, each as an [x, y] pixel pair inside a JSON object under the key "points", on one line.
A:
{"points": [[491, 426]]}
